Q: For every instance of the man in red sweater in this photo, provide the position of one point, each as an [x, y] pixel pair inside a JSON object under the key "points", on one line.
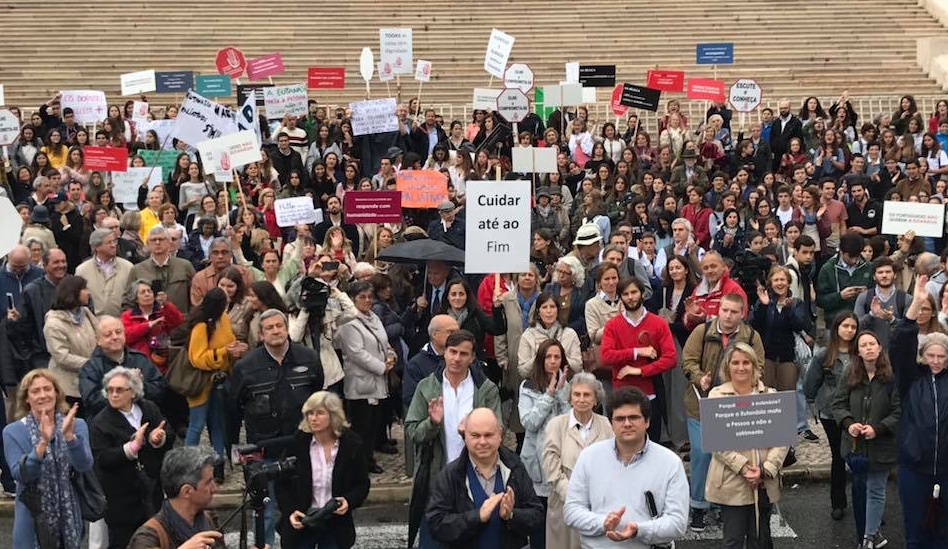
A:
{"points": [[706, 298], [638, 345]]}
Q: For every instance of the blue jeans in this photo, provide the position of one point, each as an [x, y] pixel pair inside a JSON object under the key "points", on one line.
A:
{"points": [[915, 489], [868, 501], [211, 413], [700, 461], [801, 406]]}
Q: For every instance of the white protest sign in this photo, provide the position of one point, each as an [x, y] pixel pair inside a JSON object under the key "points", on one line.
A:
{"points": [[745, 95], [139, 112], [89, 106], [230, 152], [497, 227], [10, 226], [395, 49], [365, 65], [534, 159], [519, 76], [283, 100], [589, 95], [384, 75], [9, 127], [552, 96], [513, 105], [498, 50], [373, 116], [199, 118], [162, 127], [572, 73], [2, 100], [247, 117], [125, 184], [485, 98], [290, 211], [423, 71], [572, 93], [925, 219], [134, 83]]}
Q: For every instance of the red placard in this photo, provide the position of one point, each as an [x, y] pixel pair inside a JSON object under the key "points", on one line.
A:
{"points": [[326, 78], [230, 61], [110, 159], [667, 81], [264, 66], [618, 108], [373, 207], [705, 88]]}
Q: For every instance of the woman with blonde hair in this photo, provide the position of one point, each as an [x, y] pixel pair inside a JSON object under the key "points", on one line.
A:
{"points": [[338, 247]]}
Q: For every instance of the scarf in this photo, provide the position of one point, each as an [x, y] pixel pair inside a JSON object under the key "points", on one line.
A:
{"points": [[525, 304], [544, 211], [459, 316], [178, 528], [60, 509], [489, 536], [553, 332]]}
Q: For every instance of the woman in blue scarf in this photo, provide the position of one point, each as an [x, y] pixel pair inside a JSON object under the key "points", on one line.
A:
{"points": [[43, 447]]}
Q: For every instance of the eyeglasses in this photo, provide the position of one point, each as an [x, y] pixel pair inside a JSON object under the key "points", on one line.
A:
{"points": [[635, 418], [116, 390]]}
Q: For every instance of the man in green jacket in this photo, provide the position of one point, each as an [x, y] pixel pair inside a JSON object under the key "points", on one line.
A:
{"points": [[434, 420], [842, 278]]}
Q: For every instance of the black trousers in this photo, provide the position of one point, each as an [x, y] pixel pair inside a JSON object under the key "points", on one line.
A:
{"points": [[837, 466], [364, 418], [739, 525]]}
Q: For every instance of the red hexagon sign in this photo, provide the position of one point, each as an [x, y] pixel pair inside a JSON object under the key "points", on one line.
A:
{"points": [[230, 61], [513, 105], [519, 76]]}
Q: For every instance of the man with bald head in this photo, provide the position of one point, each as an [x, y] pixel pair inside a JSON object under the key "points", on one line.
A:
{"points": [[16, 274], [430, 357], [485, 497], [109, 353], [786, 126]]}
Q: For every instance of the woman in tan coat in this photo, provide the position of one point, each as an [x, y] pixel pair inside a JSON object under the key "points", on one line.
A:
{"points": [[70, 329], [517, 304], [735, 476], [565, 437], [544, 325]]}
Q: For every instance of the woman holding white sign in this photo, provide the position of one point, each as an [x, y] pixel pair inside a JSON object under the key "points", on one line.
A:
{"points": [[744, 483]]}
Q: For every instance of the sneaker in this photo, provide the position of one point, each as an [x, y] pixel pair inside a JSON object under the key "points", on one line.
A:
{"points": [[866, 543], [697, 520], [878, 540], [809, 436]]}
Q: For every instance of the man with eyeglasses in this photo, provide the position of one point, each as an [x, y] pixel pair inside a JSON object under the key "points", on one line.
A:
{"points": [[220, 258], [174, 273], [616, 482]]}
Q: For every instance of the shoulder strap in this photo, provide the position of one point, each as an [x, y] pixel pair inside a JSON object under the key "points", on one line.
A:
{"points": [[900, 303], [160, 531]]}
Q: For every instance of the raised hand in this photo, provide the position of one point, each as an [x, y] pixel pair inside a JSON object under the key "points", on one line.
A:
{"points": [[436, 410], [69, 423], [762, 296], [139, 436], [47, 422], [158, 434]]}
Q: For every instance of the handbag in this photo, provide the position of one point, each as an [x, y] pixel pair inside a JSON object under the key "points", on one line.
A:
{"points": [[802, 353], [89, 493], [184, 379]]}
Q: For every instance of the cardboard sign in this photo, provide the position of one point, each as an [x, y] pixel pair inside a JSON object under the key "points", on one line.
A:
{"points": [[497, 225], [9, 127], [705, 88], [163, 159], [10, 226], [125, 184], [292, 211], [597, 76], [615, 102], [423, 71], [136, 83], [721, 53], [421, 188], [640, 97], [283, 100], [534, 159], [667, 81], [139, 112], [395, 49], [212, 85], [519, 76], [385, 72], [199, 118], [174, 81], [255, 90], [89, 106], [563, 95], [760, 420], [265, 66], [326, 78], [924, 219], [373, 116], [109, 159], [373, 207], [230, 152], [485, 99], [513, 105], [498, 50], [745, 95], [572, 72], [230, 61]]}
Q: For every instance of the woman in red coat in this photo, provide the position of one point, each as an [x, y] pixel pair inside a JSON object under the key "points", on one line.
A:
{"points": [[698, 213], [149, 321]]}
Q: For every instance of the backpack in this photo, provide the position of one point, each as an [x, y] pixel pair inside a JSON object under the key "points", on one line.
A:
{"points": [[899, 311]]}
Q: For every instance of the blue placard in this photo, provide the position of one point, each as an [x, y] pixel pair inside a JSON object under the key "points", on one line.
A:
{"points": [[714, 54], [174, 81], [212, 85]]}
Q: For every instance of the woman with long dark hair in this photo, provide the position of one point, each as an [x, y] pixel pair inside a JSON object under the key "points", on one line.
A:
{"points": [[460, 303], [70, 329]]}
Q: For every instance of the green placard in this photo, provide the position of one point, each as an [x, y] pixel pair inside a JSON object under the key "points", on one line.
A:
{"points": [[539, 108], [212, 85], [165, 159]]}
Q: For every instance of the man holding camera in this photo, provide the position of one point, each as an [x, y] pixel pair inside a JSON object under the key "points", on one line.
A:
{"points": [[270, 384]]}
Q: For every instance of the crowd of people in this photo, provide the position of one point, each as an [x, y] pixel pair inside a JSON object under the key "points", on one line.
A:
{"points": [[701, 261]]}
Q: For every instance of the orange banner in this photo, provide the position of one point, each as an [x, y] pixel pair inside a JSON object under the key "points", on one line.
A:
{"points": [[421, 188]]}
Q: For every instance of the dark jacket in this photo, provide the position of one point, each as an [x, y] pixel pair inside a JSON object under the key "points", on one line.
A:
{"points": [[479, 324], [819, 383], [284, 163], [419, 140], [454, 235], [91, 373], [128, 251], [577, 304], [37, 297], [780, 137], [348, 229], [777, 327], [422, 365], [69, 236], [130, 485], [872, 402], [350, 479], [923, 425], [12, 284], [454, 520], [271, 395]]}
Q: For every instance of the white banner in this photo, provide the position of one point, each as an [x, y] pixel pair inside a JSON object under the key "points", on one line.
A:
{"points": [[283, 100], [925, 219], [485, 98], [162, 127], [534, 159], [290, 211], [247, 118], [497, 227], [134, 83], [199, 118], [498, 50], [230, 152], [89, 106], [373, 116], [125, 184], [395, 50]]}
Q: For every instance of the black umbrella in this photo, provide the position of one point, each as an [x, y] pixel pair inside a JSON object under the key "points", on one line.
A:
{"points": [[421, 251], [857, 461]]}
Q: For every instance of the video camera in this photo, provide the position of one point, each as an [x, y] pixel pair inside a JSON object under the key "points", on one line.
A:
{"points": [[750, 268]]}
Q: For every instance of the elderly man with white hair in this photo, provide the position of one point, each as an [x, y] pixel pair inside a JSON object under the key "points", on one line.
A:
{"points": [[16, 274], [174, 273], [683, 244], [106, 274]]}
